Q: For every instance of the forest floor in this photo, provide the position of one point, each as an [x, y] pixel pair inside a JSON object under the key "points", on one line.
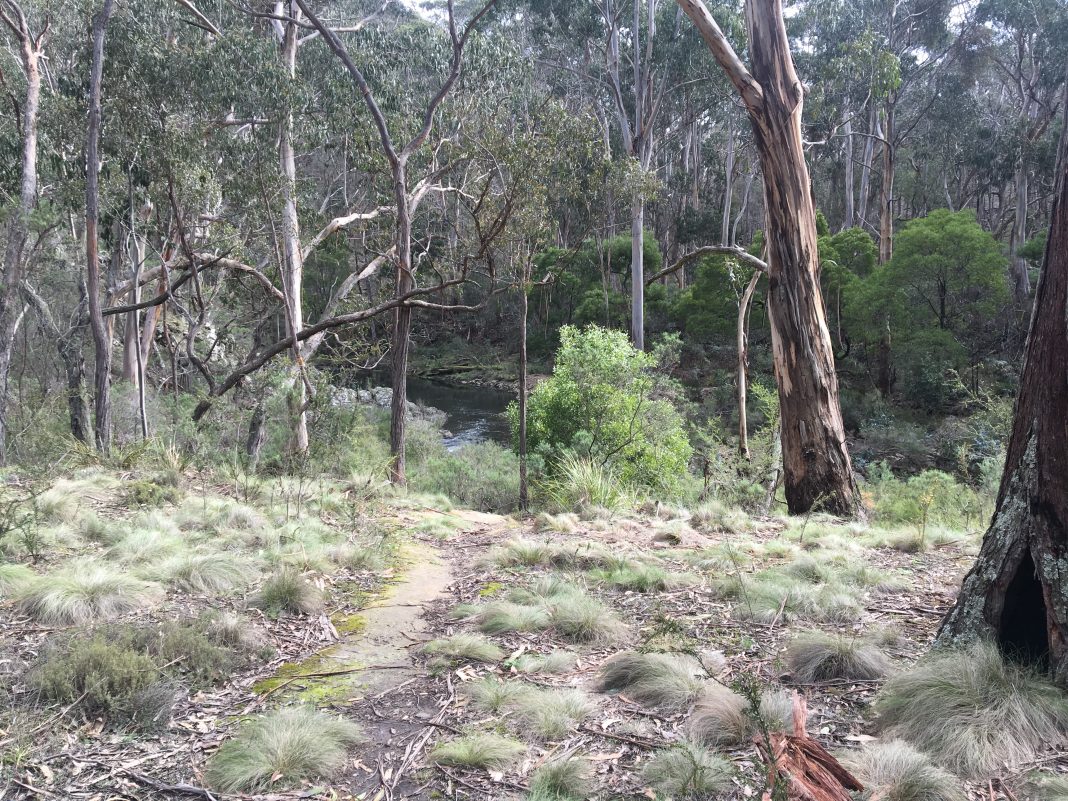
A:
{"points": [[522, 616]]}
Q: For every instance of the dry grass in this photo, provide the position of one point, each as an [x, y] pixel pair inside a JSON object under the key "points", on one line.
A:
{"points": [[667, 681], [719, 717], [464, 647], [973, 711], [896, 771], [490, 751], [687, 770], [281, 750], [84, 593], [815, 656]]}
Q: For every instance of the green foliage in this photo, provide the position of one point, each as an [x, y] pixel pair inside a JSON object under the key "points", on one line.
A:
{"points": [[282, 749], [931, 497], [145, 492], [466, 647], [599, 405], [102, 677], [483, 476], [578, 482]]}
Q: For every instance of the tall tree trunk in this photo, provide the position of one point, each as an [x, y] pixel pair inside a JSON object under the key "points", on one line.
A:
{"points": [[743, 364], [101, 340], [524, 496], [402, 324], [1017, 593], [816, 469], [728, 192], [886, 195], [849, 216], [865, 167], [637, 272], [1021, 281], [19, 220]]}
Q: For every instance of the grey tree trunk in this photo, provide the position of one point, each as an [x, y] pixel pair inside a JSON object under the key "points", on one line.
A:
{"points": [[849, 216], [637, 272], [1021, 280]]}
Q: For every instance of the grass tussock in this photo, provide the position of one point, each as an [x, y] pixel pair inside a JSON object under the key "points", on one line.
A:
{"points": [[84, 593], [714, 516], [203, 573], [493, 695], [815, 656], [14, 577], [638, 577], [288, 591], [489, 751], [555, 662], [568, 779], [687, 770], [580, 618], [551, 713], [282, 749], [465, 648], [720, 717], [502, 617], [666, 681], [972, 711], [896, 771], [774, 594]]}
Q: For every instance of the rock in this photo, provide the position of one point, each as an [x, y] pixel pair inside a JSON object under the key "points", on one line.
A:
{"points": [[382, 397]]}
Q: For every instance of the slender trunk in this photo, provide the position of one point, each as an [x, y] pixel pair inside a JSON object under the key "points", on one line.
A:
{"points": [[524, 497], [886, 209], [1016, 594], [257, 435], [1021, 281], [18, 223], [101, 341], [728, 192], [849, 216], [865, 167], [743, 364], [402, 324], [131, 345], [637, 272], [294, 261]]}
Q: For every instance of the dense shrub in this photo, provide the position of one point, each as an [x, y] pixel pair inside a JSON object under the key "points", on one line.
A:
{"points": [[601, 404], [482, 476]]}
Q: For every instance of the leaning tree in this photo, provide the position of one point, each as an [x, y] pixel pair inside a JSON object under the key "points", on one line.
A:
{"points": [[816, 467], [1017, 592]]}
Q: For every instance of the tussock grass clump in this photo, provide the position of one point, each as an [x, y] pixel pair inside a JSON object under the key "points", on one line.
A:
{"points": [[714, 516], [14, 577], [551, 714], [110, 678], [84, 593], [567, 779], [565, 523], [815, 656], [638, 577], [579, 618], [973, 711], [282, 749], [142, 545], [556, 662], [493, 695], [522, 553], [896, 771], [233, 631], [356, 557], [491, 751], [777, 710], [464, 647], [502, 617], [203, 573], [719, 717], [288, 591], [215, 515], [667, 681], [771, 594], [688, 770]]}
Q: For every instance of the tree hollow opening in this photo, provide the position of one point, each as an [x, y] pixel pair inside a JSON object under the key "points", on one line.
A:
{"points": [[1022, 634]]}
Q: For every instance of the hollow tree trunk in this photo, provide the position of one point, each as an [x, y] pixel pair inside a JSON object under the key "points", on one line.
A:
{"points": [[816, 467], [1017, 593], [101, 339]]}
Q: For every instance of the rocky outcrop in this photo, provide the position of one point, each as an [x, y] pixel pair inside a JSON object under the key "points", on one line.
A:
{"points": [[382, 397]]}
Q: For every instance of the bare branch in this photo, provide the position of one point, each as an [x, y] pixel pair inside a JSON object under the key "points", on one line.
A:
{"points": [[711, 250], [751, 91]]}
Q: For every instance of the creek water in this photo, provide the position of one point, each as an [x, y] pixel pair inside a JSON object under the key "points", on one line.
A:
{"points": [[473, 414]]}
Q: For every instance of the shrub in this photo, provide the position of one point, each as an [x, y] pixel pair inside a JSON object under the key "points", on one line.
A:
{"points": [[481, 476], [288, 591], [490, 751], [667, 681], [84, 593], [898, 772], [599, 405], [581, 483], [466, 647], [815, 656], [282, 749], [972, 710], [187, 648], [150, 493], [566, 779], [687, 770], [107, 677]]}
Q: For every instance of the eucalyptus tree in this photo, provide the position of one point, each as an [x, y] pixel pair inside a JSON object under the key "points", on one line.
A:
{"points": [[31, 37], [816, 466]]}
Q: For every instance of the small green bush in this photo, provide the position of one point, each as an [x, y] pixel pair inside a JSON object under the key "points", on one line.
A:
{"points": [[482, 476], [150, 493], [187, 649], [282, 749]]}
